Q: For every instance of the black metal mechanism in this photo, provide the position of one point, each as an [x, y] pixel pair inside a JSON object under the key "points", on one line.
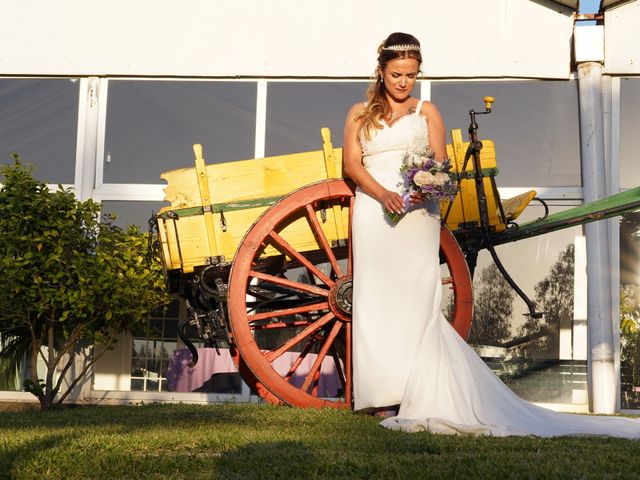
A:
{"points": [[544, 205], [473, 153], [205, 294], [206, 300]]}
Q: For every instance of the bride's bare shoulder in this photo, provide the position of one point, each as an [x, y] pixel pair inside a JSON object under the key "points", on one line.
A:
{"points": [[429, 108], [356, 109], [430, 111]]}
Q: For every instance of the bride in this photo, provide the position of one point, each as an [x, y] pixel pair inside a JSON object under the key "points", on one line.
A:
{"points": [[404, 351]]}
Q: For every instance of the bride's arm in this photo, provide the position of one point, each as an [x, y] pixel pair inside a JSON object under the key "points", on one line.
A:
{"points": [[353, 168], [436, 130]]}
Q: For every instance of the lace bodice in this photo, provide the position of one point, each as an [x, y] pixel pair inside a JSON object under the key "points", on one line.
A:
{"points": [[408, 133], [382, 155]]}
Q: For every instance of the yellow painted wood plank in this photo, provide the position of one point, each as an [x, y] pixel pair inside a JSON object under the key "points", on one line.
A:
{"points": [[249, 179], [514, 206], [465, 207], [330, 165], [205, 199]]}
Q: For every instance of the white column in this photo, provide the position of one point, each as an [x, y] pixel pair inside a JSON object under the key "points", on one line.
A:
{"points": [[87, 141], [601, 366], [261, 119], [611, 110]]}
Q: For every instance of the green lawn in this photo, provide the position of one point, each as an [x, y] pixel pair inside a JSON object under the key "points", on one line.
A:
{"points": [[267, 442]]}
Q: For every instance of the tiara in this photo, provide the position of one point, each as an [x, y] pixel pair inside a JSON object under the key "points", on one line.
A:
{"points": [[405, 47]]}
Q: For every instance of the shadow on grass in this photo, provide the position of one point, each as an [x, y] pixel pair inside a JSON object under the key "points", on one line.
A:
{"points": [[344, 455], [132, 418], [282, 459], [12, 458]]}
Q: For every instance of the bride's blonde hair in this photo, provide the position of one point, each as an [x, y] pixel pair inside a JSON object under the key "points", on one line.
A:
{"points": [[396, 45]]}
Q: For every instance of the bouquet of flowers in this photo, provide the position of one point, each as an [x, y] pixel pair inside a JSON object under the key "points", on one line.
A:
{"points": [[424, 175]]}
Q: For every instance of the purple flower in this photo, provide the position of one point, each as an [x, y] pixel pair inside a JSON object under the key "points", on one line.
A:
{"points": [[433, 179]]}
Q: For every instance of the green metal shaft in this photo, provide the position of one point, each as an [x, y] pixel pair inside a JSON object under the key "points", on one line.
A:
{"points": [[618, 204]]}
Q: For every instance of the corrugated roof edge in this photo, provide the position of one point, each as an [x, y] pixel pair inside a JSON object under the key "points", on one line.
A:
{"points": [[604, 4]]}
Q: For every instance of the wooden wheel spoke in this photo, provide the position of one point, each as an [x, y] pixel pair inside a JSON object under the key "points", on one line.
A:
{"points": [[284, 246], [269, 326], [322, 239], [321, 355], [299, 360], [315, 383], [303, 287], [288, 311], [286, 346]]}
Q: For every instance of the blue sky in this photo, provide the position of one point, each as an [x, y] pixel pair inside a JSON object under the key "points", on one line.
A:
{"points": [[589, 6]]}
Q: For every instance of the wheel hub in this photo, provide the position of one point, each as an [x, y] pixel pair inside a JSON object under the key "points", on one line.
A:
{"points": [[340, 298]]}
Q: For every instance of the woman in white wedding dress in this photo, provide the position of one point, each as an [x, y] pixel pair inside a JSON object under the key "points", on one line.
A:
{"points": [[404, 351]]}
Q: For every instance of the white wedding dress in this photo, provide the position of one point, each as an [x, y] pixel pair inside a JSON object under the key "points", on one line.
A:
{"points": [[404, 350]]}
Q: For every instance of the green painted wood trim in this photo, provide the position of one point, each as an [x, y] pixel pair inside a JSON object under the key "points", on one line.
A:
{"points": [[222, 207], [487, 172], [612, 206]]}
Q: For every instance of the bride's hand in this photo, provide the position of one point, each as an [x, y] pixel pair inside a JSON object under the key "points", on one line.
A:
{"points": [[392, 202], [415, 198]]}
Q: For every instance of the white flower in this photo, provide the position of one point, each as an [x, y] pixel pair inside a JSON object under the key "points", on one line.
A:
{"points": [[422, 160], [413, 160], [422, 178], [441, 178]]}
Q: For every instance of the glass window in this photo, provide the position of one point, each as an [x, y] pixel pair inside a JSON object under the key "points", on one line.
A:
{"points": [[132, 213], [151, 352], [152, 125], [630, 310], [39, 121], [541, 360], [629, 122], [296, 111], [534, 125], [160, 360]]}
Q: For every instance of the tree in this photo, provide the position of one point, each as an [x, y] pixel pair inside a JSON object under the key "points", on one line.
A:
{"points": [[68, 282], [492, 308], [554, 297]]}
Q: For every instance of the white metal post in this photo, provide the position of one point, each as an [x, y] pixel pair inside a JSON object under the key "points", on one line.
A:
{"points": [[87, 138], [600, 360]]}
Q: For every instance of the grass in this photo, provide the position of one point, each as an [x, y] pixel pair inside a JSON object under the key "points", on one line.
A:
{"points": [[267, 442]]}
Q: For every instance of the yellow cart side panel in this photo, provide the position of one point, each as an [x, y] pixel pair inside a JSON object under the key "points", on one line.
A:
{"points": [[191, 233], [249, 179]]}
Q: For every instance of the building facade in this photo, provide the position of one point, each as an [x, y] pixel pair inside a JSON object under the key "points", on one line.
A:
{"points": [[105, 96]]}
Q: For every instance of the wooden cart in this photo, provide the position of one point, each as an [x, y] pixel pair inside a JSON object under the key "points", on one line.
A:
{"points": [[260, 251]]}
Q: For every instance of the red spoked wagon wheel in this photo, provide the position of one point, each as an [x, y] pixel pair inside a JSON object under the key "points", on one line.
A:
{"points": [[290, 306]]}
